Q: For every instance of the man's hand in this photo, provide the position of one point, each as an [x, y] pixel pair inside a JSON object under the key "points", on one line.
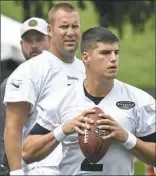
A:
{"points": [[79, 123], [108, 123]]}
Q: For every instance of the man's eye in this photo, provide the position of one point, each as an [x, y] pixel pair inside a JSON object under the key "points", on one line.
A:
{"points": [[27, 40], [64, 27], [116, 52], [41, 38], [75, 26], [106, 52]]}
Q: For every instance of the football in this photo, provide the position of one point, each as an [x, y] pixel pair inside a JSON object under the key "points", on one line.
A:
{"points": [[91, 143]]}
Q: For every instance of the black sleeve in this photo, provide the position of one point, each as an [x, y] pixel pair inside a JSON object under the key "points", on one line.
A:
{"points": [[37, 129], [149, 138]]}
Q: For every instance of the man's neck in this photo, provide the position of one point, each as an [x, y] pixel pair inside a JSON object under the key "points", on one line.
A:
{"points": [[98, 88], [65, 58]]}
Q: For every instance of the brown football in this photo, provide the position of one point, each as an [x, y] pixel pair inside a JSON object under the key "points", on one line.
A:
{"points": [[91, 144]]}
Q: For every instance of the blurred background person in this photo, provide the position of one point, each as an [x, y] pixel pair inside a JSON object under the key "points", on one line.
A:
{"points": [[34, 39]]}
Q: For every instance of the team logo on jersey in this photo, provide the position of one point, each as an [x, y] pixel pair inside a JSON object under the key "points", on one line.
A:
{"points": [[15, 83], [125, 104], [72, 78], [32, 23]]}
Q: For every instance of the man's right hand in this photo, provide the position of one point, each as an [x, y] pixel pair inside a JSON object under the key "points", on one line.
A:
{"points": [[79, 123]]}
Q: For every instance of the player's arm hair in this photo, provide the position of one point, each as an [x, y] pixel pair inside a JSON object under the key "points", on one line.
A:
{"points": [[145, 149], [38, 145], [16, 116]]}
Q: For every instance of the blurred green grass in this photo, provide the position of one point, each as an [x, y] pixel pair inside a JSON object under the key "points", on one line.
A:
{"points": [[139, 168], [137, 51]]}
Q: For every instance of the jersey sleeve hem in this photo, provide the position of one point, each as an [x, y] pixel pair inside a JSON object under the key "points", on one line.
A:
{"points": [[149, 132], [10, 100], [42, 123]]}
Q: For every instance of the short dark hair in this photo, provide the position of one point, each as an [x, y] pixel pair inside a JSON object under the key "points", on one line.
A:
{"points": [[65, 6], [94, 35]]}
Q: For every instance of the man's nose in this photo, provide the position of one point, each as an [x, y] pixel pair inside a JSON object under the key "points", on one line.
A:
{"points": [[70, 31], [34, 44], [114, 57]]}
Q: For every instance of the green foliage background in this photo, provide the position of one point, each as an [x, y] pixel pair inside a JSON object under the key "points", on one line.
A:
{"points": [[137, 51]]}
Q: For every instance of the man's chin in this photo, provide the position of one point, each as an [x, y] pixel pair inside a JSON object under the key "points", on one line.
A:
{"points": [[111, 76], [35, 54], [71, 49]]}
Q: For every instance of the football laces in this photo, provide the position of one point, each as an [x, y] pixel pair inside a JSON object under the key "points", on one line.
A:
{"points": [[86, 135]]}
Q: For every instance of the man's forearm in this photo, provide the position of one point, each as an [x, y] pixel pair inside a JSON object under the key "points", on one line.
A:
{"points": [[145, 151], [16, 117], [37, 147], [13, 142]]}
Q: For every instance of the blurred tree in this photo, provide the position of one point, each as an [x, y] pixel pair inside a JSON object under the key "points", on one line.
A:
{"points": [[81, 4], [38, 9], [26, 8], [34, 8], [115, 12], [112, 13]]}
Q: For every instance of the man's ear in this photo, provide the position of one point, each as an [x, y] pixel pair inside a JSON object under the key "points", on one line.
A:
{"points": [[50, 31], [85, 57]]}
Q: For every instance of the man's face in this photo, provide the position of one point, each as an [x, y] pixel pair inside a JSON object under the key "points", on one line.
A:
{"points": [[102, 61], [65, 31], [33, 43]]}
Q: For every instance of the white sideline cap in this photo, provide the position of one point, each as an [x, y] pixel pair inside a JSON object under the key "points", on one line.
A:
{"points": [[34, 23]]}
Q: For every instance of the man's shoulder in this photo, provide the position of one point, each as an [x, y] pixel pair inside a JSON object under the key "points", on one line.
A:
{"points": [[35, 61], [78, 61], [136, 94], [34, 65], [79, 64]]}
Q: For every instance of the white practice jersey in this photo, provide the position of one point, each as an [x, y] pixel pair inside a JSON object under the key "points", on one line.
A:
{"points": [[155, 170], [36, 79], [131, 107]]}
